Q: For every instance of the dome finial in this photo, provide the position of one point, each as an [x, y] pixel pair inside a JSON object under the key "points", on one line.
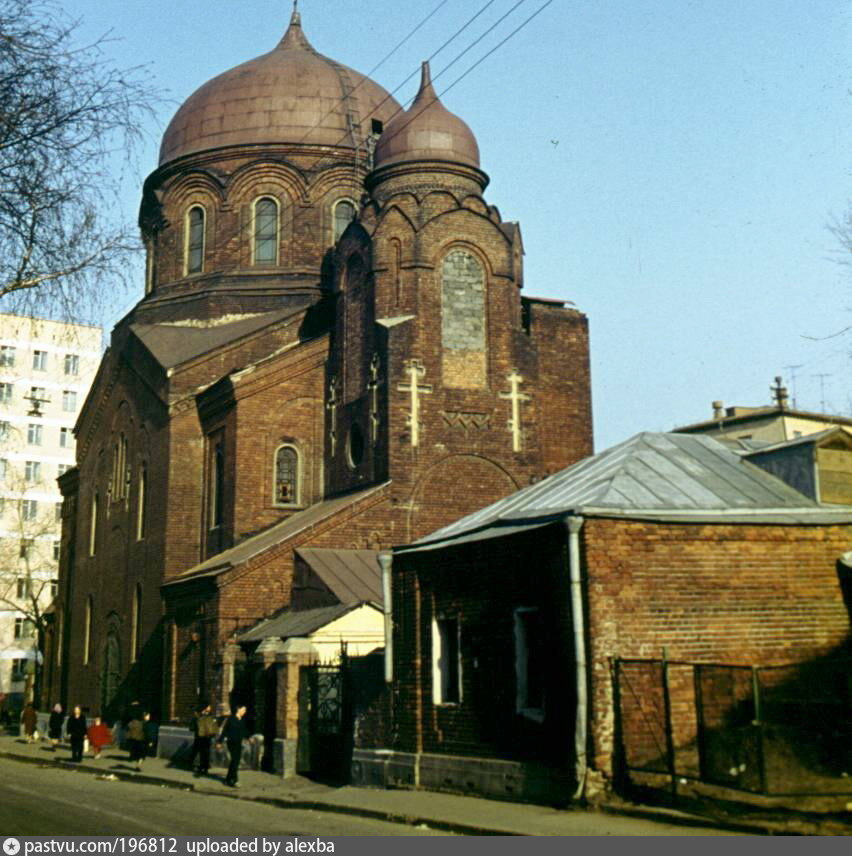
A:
{"points": [[426, 91], [294, 37]]}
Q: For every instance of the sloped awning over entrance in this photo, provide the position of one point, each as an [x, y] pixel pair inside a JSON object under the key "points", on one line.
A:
{"points": [[352, 576]]}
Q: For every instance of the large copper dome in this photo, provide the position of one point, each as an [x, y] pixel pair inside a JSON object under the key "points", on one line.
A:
{"points": [[290, 95], [427, 131]]}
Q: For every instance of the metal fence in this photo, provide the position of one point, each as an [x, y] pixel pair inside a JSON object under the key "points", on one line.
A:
{"points": [[775, 730]]}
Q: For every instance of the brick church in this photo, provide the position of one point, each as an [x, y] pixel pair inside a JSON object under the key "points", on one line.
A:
{"points": [[333, 351]]}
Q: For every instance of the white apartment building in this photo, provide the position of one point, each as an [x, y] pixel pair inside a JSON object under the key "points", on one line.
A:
{"points": [[46, 369]]}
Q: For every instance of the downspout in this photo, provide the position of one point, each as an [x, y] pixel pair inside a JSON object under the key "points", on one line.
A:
{"points": [[572, 527], [386, 561]]}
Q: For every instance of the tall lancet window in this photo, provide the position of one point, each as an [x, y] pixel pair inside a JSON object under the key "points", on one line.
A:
{"points": [[266, 231], [195, 240], [286, 476]]}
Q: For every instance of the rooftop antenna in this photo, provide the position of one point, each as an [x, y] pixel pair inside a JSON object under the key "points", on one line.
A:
{"points": [[822, 376], [792, 370], [779, 393]]}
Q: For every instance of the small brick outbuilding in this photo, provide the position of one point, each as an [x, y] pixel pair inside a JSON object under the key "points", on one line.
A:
{"points": [[506, 623]]}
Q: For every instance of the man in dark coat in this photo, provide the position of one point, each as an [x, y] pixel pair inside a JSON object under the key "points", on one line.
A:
{"points": [[232, 734], [76, 728]]}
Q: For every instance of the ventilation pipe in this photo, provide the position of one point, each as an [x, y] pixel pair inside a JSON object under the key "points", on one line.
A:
{"points": [[385, 562], [572, 527]]}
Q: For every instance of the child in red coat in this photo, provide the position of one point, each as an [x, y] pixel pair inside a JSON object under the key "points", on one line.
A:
{"points": [[99, 736]]}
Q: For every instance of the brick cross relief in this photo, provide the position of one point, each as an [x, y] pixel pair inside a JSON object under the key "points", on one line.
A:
{"points": [[373, 388], [416, 371], [517, 398], [331, 407]]}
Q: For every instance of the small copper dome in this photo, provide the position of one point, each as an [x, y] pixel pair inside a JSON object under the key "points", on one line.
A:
{"points": [[427, 131], [290, 95]]}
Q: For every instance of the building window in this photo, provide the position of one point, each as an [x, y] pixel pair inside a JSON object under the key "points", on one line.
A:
{"points": [[93, 526], [134, 629], [87, 632], [344, 214], [29, 509], [530, 658], [195, 240], [57, 512], [54, 588], [266, 231], [5, 393], [463, 302], [24, 628], [446, 661], [118, 483], [5, 429], [32, 471], [24, 588], [140, 503], [19, 672], [217, 486], [69, 401], [56, 551], [38, 396], [61, 469], [72, 365], [286, 476], [25, 548], [34, 434], [4, 464], [65, 438], [7, 356], [40, 361]]}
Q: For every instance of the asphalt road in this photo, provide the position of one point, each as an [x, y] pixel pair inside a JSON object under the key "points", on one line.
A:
{"points": [[45, 801]]}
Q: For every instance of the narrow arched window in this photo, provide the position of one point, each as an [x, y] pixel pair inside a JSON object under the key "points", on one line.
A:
{"points": [[140, 502], [286, 476], [266, 232], [344, 214], [87, 632], [137, 618], [93, 526], [195, 240]]}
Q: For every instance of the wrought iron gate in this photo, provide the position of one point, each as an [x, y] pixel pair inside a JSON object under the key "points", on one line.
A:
{"points": [[325, 721]]}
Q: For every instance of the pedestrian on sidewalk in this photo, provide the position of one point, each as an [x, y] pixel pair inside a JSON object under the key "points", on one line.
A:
{"points": [[54, 725], [151, 730], [76, 729], [136, 740], [233, 733], [205, 731], [99, 736], [29, 721]]}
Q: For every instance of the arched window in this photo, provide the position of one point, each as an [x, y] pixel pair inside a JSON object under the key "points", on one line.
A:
{"points": [[87, 632], [140, 502], [265, 232], [286, 476], [195, 240], [93, 526], [136, 618], [344, 214]]}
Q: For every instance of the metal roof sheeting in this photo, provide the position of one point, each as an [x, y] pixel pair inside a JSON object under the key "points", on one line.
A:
{"points": [[289, 623], [352, 576], [653, 476]]}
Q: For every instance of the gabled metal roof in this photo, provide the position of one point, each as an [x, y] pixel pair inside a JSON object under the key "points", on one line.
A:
{"points": [[289, 623], [651, 475]]}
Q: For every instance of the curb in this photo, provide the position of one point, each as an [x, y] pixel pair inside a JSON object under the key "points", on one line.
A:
{"points": [[638, 812]]}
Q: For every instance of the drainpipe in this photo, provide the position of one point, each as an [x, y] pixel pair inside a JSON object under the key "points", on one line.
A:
{"points": [[572, 527], [386, 561]]}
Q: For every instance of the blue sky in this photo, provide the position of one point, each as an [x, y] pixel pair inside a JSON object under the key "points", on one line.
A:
{"points": [[673, 165]]}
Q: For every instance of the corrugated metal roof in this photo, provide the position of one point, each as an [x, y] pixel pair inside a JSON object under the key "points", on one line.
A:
{"points": [[651, 475], [251, 547], [302, 623], [352, 576]]}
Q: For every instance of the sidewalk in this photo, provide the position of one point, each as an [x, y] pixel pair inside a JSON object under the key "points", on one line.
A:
{"points": [[448, 812]]}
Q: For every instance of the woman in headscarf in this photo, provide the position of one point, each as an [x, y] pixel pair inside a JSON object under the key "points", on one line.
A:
{"points": [[54, 725]]}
